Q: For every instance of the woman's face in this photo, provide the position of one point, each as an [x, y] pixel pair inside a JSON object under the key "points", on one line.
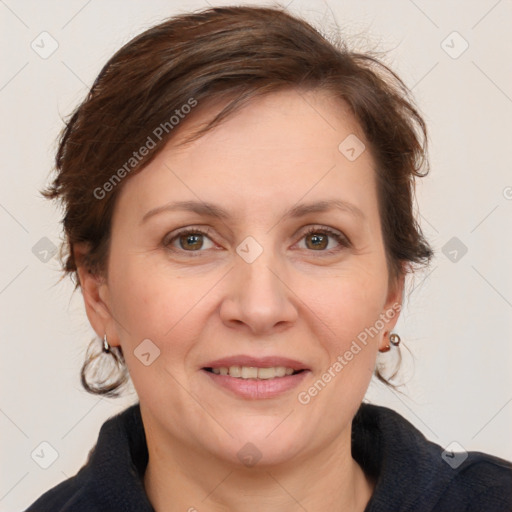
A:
{"points": [[271, 279]]}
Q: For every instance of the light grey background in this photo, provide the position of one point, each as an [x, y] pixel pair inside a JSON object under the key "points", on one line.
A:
{"points": [[458, 318]]}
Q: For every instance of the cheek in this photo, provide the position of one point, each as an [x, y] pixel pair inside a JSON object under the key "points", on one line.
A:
{"points": [[349, 303], [349, 331], [345, 312], [148, 302], [151, 307], [165, 306]]}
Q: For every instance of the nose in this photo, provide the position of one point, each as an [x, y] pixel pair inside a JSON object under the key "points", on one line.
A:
{"points": [[259, 299]]}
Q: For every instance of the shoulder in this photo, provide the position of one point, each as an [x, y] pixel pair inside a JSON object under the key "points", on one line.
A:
{"points": [[71, 494], [413, 473], [481, 482], [111, 477]]}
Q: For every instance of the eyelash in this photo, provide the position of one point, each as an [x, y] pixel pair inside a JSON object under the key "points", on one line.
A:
{"points": [[339, 237]]}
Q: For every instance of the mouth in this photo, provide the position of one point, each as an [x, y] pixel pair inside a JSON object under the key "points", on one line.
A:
{"points": [[255, 383], [253, 372]]}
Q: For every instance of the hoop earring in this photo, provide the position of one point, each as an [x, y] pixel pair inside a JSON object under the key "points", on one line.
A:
{"points": [[106, 346], [103, 375]]}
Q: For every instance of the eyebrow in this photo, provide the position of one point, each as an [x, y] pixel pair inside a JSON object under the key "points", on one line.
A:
{"points": [[214, 211]]}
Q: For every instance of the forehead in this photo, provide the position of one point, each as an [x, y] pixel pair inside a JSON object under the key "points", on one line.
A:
{"points": [[277, 149], [273, 123]]}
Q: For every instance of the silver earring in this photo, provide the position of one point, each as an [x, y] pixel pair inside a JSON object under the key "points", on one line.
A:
{"points": [[106, 346], [394, 339]]}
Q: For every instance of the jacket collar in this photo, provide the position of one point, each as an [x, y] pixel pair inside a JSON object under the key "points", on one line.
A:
{"points": [[387, 447]]}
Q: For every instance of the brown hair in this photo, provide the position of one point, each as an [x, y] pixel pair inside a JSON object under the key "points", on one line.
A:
{"points": [[233, 53]]}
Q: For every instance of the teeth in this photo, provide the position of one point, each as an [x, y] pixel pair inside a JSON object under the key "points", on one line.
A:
{"points": [[251, 372]]}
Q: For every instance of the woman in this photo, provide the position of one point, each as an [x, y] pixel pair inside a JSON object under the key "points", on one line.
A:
{"points": [[238, 199]]}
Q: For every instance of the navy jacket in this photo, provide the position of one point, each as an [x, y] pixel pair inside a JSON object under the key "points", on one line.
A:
{"points": [[412, 473]]}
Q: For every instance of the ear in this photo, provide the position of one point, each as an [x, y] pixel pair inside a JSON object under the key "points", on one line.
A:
{"points": [[95, 292], [392, 307]]}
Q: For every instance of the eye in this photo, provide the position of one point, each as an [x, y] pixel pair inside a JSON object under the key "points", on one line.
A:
{"points": [[189, 240], [317, 239], [195, 240]]}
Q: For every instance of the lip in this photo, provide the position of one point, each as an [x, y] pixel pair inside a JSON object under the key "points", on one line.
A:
{"points": [[259, 362], [257, 389]]}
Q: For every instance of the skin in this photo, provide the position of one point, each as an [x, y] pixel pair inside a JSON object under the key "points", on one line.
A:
{"points": [[294, 300]]}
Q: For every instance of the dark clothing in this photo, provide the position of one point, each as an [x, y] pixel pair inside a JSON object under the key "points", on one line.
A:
{"points": [[412, 474]]}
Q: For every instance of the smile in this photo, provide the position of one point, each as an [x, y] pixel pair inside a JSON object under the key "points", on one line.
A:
{"points": [[253, 372], [247, 383]]}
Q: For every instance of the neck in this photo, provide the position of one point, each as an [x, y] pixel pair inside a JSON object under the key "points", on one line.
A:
{"points": [[179, 478]]}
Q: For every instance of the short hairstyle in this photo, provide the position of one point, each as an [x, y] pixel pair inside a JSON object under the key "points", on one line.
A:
{"points": [[233, 54]]}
